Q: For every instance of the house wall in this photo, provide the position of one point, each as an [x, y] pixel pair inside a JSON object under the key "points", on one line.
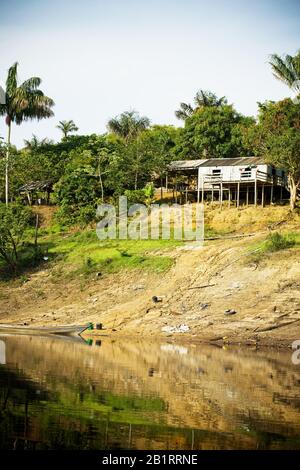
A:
{"points": [[233, 173]]}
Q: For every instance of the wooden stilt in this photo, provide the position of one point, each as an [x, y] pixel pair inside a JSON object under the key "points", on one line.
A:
{"points": [[238, 195], [271, 196], [229, 196], [198, 186], [202, 196], [263, 195], [166, 183], [212, 194], [255, 189], [176, 193], [280, 193], [247, 196], [221, 195]]}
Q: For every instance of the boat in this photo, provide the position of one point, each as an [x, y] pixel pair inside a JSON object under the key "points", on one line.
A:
{"points": [[67, 330]]}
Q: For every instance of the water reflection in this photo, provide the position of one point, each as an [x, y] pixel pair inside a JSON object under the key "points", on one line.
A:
{"points": [[146, 395]]}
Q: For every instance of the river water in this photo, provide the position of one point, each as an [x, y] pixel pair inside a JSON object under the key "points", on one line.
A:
{"points": [[63, 394]]}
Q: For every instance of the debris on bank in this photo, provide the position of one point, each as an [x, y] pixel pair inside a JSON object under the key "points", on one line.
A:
{"points": [[175, 329]]}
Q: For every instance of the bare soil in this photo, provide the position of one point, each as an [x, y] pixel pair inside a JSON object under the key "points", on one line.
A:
{"points": [[264, 297]]}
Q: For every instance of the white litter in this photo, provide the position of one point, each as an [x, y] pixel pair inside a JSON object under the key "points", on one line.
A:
{"points": [[175, 329]]}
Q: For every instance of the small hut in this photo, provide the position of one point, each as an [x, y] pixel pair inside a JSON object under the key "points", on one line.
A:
{"points": [[37, 192]]}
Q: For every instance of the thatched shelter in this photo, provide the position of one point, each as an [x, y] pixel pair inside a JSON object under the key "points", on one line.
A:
{"points": [[37, 191]]}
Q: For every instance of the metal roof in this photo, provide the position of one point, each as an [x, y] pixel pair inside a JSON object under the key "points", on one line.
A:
{"points": [[185, 164], [214, 162]]}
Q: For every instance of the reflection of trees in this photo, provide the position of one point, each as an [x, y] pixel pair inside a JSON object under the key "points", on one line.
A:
{"points": [[93, 397], [15, 395]]}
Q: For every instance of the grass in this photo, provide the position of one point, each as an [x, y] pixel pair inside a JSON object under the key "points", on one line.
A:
{"points": [[84, 253], [274, 242], [81, 252]]}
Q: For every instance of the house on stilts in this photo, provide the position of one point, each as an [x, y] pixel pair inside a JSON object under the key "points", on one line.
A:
{"points": [[244, 180]]}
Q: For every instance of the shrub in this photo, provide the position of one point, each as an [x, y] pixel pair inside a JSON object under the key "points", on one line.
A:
{"points": [[77, 194], [15, 219], [140, 196], [276, 241]]}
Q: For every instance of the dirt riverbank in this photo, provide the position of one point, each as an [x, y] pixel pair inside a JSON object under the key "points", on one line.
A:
{"points": [[218, 292]]}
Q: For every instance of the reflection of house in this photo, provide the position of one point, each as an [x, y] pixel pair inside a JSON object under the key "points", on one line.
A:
{"points": [[37, 192], [247, 179]]}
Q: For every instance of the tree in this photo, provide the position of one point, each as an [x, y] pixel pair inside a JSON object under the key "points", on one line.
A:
{"points": [[67, 127], [128, 125], [22, 102], [77, 194], [277, 138], [203, 99], [14, 220], [35, 143], [213, 132], [287, 70], [158, 144]]}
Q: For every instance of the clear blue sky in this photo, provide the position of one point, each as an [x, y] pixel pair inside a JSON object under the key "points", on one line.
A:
{"points": [[99, 58]]}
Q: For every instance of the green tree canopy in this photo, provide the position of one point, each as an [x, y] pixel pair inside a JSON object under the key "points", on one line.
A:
{"points": [[214, 132], [277, 138]]}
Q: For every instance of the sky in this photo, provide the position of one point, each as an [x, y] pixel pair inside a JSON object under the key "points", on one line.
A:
{"points": [[98, 58]]}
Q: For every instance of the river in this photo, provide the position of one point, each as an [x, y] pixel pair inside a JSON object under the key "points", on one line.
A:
{"points": [[58, 393]]}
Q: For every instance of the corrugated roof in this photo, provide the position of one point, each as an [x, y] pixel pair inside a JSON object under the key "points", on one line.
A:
{"points": [[214, 162], [232, 161], [185, 164]]}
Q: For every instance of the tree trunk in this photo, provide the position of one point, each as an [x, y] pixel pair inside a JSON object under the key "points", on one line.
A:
{"points": [[136, 179], [101, 183], [8, 121], [293, 187]]}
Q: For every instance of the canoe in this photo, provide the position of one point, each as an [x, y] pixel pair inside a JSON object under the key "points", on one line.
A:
{"points": [[44, 330]]}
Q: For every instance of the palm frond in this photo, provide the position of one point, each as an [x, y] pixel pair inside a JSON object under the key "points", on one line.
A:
{"points": [[286, 69], [128, 125], [12, 79], [184, 111], [32, 83]]}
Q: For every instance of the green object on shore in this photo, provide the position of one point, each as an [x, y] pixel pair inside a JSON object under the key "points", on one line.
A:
{"points": [[91, 326]]}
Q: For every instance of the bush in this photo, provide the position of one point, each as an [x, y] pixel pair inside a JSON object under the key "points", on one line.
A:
{"points": [[15, 219], [135, 196], [140, 196], [77, 194], [276, 241]]}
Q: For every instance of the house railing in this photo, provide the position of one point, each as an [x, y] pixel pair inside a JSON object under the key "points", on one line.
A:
{"points": [[248, 175]]}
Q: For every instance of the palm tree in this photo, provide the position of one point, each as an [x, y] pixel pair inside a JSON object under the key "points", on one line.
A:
{"points": [[67, 127], [203, 99], [185, 111], [128, 125], [35, 143], [22, 103], [287, 70]]}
